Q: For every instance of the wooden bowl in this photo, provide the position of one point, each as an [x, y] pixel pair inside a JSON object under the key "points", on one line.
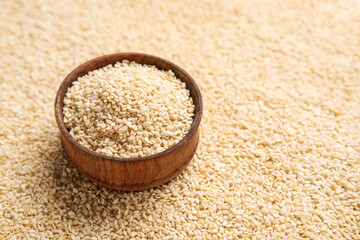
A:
{"points": [[130, 173]]}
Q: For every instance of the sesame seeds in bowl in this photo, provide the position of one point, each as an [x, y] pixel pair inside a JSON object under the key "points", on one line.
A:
{"points": [[126, 108]]}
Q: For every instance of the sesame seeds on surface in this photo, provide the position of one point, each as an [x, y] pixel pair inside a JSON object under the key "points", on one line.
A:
{"points": [[128, 110], [278, 156]]}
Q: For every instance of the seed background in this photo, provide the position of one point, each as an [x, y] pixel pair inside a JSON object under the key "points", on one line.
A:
{"points": [[279, 154]]}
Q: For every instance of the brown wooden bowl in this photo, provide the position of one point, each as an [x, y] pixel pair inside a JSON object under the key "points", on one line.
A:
{"points": [[130, 173]]}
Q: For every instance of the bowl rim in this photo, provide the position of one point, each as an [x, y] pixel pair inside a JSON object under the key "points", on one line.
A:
{"points": [[59, 111]]}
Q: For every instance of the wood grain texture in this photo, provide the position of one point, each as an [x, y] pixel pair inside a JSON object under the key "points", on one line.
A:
{"points": [[130, 173]]}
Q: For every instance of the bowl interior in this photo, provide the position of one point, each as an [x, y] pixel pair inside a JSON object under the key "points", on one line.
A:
{"points": [[103, 61]]}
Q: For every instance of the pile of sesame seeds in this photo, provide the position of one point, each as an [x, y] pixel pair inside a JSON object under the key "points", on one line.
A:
{"points": [[128, 110]]}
